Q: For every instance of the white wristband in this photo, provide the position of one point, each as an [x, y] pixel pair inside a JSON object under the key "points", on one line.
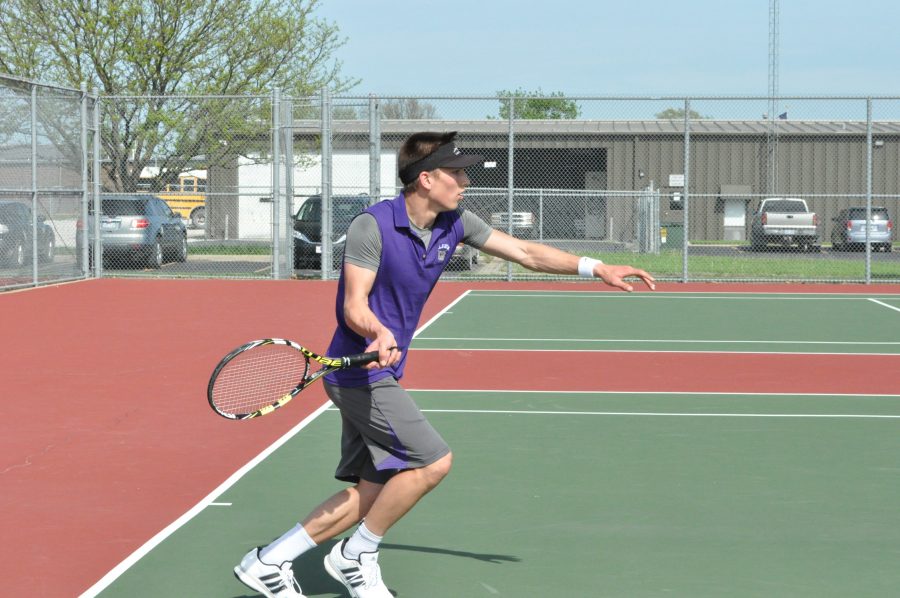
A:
{"points": [[586, 267]]}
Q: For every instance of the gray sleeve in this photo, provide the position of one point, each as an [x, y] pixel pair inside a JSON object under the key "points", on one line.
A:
{"points": [[475, 230], [363, 245]]}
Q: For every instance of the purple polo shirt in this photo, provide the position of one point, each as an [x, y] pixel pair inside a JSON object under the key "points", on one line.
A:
{"points": [[406, 276]]}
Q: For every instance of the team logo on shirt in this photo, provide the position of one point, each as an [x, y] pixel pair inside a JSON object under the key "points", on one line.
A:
{"points": [[442, 251]]}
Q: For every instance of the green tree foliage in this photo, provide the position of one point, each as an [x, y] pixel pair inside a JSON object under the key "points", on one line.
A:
{"points": [[151, 54], [537, 105], [678, 114]]}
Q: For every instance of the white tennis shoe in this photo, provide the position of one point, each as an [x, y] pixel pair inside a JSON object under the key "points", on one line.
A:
{"points": [[272, 581], [362, 578]]}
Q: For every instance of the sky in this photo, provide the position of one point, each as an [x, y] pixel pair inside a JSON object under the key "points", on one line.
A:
{"points": [[603, 48]]}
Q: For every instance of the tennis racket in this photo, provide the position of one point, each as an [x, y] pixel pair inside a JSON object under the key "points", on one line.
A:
{"points": [[263, 375]]}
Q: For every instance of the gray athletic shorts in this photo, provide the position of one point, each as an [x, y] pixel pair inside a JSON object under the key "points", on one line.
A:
{"points": [[383, 432]]}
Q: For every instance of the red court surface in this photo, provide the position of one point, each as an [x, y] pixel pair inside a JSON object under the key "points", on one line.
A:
{"points": [[107, 437], [656, 372]]}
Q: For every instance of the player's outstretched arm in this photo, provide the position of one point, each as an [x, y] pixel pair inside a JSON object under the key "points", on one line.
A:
{"points": [[549, 260]]}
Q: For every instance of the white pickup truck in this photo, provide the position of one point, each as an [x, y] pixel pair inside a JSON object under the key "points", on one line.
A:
{"points": [[786, 221]]}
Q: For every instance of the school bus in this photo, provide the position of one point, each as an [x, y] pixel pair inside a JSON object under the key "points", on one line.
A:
{"points": [[187, 198]]}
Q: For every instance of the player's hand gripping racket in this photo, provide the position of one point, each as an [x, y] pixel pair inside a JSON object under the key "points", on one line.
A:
{"points": [[259, 377]]}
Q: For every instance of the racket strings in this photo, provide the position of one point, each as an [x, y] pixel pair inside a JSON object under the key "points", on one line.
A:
{"points": [[257, 378]]}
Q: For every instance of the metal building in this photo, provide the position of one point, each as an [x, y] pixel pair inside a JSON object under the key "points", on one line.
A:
{"points": [[825, 162]]}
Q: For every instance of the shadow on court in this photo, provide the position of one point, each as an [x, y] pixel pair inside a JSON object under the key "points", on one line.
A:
{"points": [[486, 557]]}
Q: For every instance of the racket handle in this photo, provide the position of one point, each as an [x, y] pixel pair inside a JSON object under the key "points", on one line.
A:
{"points": [[352, 361]]}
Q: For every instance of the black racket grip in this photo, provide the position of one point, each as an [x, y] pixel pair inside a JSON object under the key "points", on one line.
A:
{"points": [[353, 361]]}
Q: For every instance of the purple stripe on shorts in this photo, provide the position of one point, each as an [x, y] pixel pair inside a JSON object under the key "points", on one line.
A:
{"points": [[393, 462], [398, 459]]}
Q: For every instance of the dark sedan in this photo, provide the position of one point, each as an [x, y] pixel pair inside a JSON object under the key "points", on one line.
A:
{"points": [[17, 235], [308, 228]]}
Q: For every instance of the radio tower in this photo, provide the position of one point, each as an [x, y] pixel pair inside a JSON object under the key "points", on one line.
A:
{"points": [[772, 131]]}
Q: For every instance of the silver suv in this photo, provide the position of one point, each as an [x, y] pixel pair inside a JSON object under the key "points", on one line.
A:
{"points": [[137, 227], [850, 229]]}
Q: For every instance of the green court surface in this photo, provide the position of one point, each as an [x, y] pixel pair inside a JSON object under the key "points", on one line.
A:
{"points": [[668, 322], [620, 494], [591, 494]]}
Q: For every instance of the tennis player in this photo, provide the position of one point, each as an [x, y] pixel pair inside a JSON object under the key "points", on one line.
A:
{"points": [[394, 254]]}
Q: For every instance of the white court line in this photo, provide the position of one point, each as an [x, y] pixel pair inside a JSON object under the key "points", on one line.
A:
{"points": [[884, 304], [658, 295], [500, 292], [439, 314], [655, 351], [656, 392], [153, 542], [664, 414], [651, 340], [661, 414]]}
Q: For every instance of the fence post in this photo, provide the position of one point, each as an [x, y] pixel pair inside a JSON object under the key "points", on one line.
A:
{"points": [[541, 215], [868, 188], [85, 183], [287, 105], [34, 187], [510, 172], [374, 148], [687, 180], [276, 183], [98, 246], [325, 264]]}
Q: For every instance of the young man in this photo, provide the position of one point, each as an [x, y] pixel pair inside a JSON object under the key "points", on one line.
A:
{"points": [[394, 254]]}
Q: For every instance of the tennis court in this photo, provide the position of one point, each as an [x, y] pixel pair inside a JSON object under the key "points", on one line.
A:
{"points": [[684, 444]]}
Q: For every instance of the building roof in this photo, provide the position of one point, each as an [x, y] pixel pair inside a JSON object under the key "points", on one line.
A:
{"points": [[828, 128]]}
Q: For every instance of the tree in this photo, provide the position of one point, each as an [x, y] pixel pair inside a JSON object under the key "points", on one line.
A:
{"points": [[408, 108], [344, 112], [158, 52], [536, 105], [678, 114]]}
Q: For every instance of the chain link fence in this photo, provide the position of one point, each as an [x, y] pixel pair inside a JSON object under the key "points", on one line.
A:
{"points": [[579, 173], [44, 181], [194, 187], [265, 187]]}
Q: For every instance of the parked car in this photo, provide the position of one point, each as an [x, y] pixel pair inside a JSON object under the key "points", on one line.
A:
{"points": [[136, 227], [850, 229], [786, 221], [464, 258], [17, 236], [308, 228]]}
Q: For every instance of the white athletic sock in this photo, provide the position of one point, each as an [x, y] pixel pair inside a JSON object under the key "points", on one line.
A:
{"points": [[361, 541], [288, 547]]}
